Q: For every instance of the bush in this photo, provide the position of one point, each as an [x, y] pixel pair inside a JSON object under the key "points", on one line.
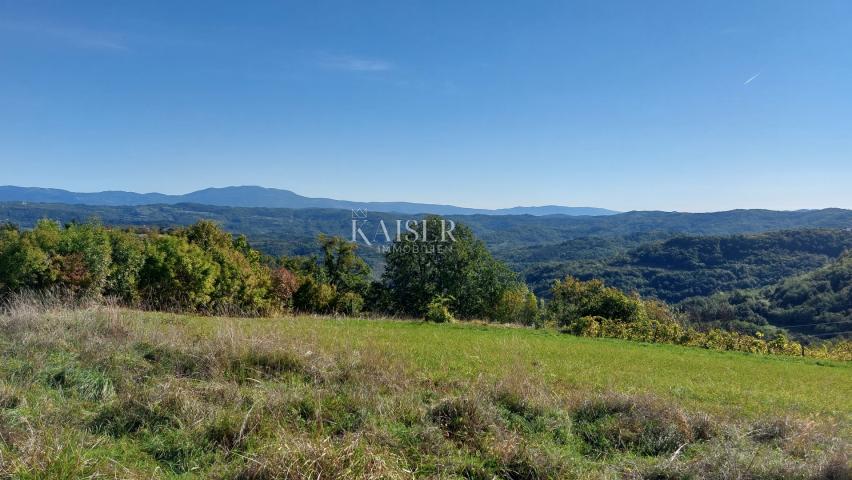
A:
{"points": [[438, 310], [284, 286], [83, 255], [349, 303], [313, 296], [199, 268], [586, 326], [177, 274], [573, 299], [517, 305], [128, 256], [419, 269]]}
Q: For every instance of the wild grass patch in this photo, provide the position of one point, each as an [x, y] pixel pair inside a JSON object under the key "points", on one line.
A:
{"points": [[319, 398], [643, 425]]}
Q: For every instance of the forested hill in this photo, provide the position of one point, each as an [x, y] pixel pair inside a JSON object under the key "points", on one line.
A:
{"points": [[814, 303], [289, 231], [817, 302], [689, 266]]}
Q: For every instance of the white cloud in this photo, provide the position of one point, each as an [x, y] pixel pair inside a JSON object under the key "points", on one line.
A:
{"points": [[354, 64]]}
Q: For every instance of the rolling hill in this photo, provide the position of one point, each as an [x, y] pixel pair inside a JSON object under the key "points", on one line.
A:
{"points": [[253, 196], [688, 266]]}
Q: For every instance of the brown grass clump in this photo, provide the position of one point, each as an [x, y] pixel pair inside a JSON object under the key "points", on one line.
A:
{"points": [[639, 424], [302, 457], [517, 459], [463, 419], [9, 398], [759, 455]]}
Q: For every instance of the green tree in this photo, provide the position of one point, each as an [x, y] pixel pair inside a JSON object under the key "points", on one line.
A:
{"points": [[22, 263], [574, 299], [84, 256], [517, 305], [344, 269], [459, 266], [177, 274], [128, 256]]}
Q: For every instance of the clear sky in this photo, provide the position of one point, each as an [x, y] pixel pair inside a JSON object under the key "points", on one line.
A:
{"points": [[629, 105]]}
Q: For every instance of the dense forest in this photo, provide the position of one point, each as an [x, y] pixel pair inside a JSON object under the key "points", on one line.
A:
{"points": [[815, 303], [797, 279], [281, 231], [689, 266]]}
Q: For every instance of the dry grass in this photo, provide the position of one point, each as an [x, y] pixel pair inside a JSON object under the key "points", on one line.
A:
{"points": [[95, 392]]}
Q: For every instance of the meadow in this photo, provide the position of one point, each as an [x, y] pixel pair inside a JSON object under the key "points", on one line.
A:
{"points": [[104, 392]]}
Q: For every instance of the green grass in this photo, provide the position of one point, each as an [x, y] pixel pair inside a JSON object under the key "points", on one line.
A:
{"points": [[116, 393], [733, 383]]}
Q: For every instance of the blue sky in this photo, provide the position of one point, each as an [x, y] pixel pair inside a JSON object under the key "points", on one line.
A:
{"points": [[678, 105]]}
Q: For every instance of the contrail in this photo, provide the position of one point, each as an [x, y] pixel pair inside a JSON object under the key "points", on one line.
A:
{"points": [[751, 79]]}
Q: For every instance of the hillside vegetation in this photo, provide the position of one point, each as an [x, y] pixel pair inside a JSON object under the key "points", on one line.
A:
{"points": [[281, 231], [796, 279], [691, 266], [815, 303], [102, 392]]}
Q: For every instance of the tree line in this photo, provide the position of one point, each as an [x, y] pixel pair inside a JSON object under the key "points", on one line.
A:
{"points": [[203, 269]]}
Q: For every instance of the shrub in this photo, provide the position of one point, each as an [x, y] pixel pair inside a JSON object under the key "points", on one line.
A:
{"points": [[128, 256], [586, 326], [517, 305], [177, 274], [419, 269], [23, 264], [83, 256], [438, 310], [573, 299], [348, 303], [313, 296], [284, 286]]}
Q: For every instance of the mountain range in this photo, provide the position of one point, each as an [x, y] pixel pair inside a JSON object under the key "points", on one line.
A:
{"points": [[254, 196]]}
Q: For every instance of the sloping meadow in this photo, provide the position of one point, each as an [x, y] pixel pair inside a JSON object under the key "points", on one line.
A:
{"points": [[101, 391]]}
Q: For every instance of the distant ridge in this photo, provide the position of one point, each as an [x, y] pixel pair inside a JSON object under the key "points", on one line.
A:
{"points": [[253, 196]]}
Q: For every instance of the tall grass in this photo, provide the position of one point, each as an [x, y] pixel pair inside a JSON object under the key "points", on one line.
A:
{"points": [[97, 391]]}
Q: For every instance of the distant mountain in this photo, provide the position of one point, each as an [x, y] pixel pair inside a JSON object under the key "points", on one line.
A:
{"points": [[251, 196]]}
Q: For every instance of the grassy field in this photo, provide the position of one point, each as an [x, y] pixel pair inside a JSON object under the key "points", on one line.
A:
{"points": [[108, 393], [722, 382]]}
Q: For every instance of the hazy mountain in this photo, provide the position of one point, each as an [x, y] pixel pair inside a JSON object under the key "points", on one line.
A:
{"points": [[272, 226], [250, 196]]}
